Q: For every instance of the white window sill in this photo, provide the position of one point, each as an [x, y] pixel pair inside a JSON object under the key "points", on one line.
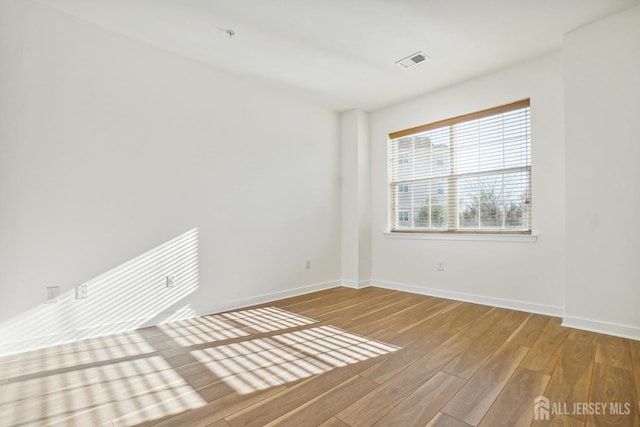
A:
{"points": [[521, 238]]}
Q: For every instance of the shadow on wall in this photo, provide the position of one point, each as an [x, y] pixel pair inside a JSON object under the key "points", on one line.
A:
{"points": [[130, 296]]}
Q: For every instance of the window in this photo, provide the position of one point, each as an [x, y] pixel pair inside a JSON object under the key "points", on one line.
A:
{"points": [[469, 174]]}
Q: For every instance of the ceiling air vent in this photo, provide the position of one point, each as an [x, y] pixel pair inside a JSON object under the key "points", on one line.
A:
{"points": [[412, 60]]}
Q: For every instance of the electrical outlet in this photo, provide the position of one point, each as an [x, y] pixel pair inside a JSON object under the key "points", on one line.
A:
{"points": [[171, 281], [52, 295], [307, 264], [82, 291], [440, 265]]}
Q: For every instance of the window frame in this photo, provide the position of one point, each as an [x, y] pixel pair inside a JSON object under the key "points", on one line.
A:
{"points": [[524, 103]]}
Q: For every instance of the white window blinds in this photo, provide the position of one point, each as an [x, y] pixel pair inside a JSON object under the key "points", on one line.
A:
{"points": [[466, 174]]}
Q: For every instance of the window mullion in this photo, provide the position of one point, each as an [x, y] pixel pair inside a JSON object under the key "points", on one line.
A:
{"points": [[452, 183], [413, 189]]}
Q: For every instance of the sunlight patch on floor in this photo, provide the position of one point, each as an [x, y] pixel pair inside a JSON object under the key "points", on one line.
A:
{"points": [[129, 388], [261, 363], [149, 374], [235, 324], [118, 346]]}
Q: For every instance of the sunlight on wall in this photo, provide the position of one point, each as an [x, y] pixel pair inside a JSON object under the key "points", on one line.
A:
{"points": [[124, 298], [256, 364]]}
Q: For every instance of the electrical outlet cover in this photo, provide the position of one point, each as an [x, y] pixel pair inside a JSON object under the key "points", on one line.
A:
{"points": [[82, 291], [171, 281], [52, 295]]}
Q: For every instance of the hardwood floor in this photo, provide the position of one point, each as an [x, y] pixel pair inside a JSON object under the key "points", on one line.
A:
{"points": [[340, 357]]}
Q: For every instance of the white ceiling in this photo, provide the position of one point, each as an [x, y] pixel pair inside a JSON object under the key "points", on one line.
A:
{"points": [[341, 53]]}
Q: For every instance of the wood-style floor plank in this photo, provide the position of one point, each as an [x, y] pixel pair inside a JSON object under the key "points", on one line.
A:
{"points": [[469, 316], [449, 321], [421, 405], [338, 357], [478, 328], [529, 330], [635, 360], [374, 319], [613, 351], [333, 422], [583, 336], [571, 380], [613, 386], [29, 367], [559, 421], [324, 406], [546, 351], [376, 298], [382, 399], [421, 312], [293, 397], [384, 370], [414, 343], [40, 387], [468, 362], [217, 404], [444, 420], [514, 407], [475, 398]]}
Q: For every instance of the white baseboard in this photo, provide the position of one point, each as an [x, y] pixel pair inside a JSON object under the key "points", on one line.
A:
{"points": [[261, 299], [356, 285], [364, 284], [547, 310], [66, 337], [349, 284], [607, 328], [35, 343]]}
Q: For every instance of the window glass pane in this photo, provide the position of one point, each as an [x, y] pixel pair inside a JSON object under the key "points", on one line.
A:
{"points": [[470, 175], [403, 202], [421, 211], [438, 205], [468, 206], [517, 200], [491, 201]]}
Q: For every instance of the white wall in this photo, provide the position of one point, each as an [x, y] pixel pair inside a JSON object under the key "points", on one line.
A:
{"points": [[111, 149], [356, 198], [602, 93], [349, 196], [527, 276], [121, 163], [364, 199]]}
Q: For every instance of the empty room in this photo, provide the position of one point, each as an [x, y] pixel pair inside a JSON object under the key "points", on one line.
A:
{"points": [[319, 213]]}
